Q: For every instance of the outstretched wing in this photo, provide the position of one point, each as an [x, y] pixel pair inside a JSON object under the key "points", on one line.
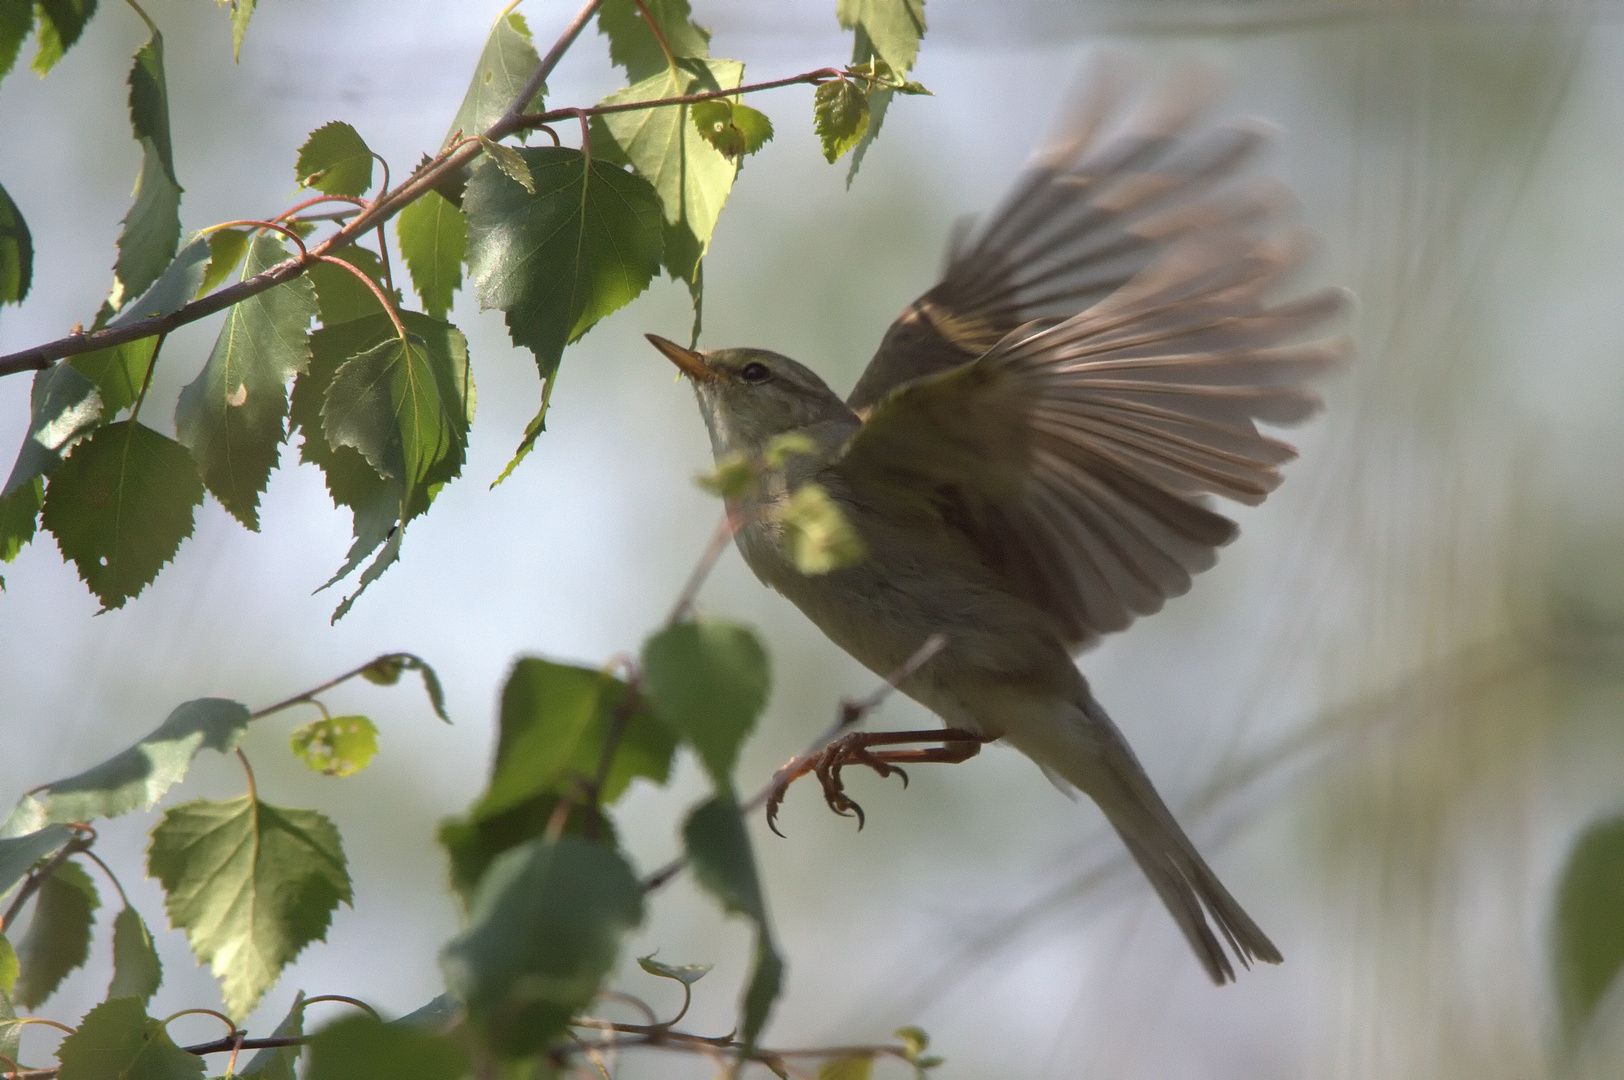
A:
{"points": [[1075, 450]]}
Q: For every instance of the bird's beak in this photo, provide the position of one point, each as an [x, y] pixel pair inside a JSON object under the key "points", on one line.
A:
{"points": [[692, 363]]}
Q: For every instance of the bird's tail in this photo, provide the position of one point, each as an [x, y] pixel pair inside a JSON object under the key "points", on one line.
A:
{"points": [[1093, 756]]}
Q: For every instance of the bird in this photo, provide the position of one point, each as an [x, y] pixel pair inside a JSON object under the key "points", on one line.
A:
{"points": [[1028, 458]]}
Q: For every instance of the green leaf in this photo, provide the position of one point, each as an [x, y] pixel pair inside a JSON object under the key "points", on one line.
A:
{"points": [[585, 244], [135, 779], [226, 249], [504, 67], [60, 24], [120, 506], [473, 843], [137, 971], [555, 719], [719, 850], [732, 128], [841, 116], [362, 1048], [16, 23], [708, 681], [433, 237], [118, 372], [343, 297], [8, 979], [64, 407], [176, 287], [847, 1068], [633, 45], [335, 160], [19, 514], [20, 850], [546, 929], [397, 403], [1588, 946], [277, 1062], [152, 227], [690, 175], [819, 537], [385, 671], [16, 252], [251, 884], [231, 417], [241, 12], [508, 160], [336, 745], [438, 1014], [686, 974], [58, 937], [117, 1040], [892, 29]]}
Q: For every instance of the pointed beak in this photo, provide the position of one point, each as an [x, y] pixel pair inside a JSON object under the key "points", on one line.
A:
{"points": [[692, 363]]}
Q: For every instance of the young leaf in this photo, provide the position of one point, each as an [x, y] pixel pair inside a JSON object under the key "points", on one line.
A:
{"points": [[64, 407], [633, 45], [820, 538], [686, 974], [708, 681], [58, 937], [277, 1062], [335, 160], [251, 884], [508, 160], [241, 12], [336, 745], [504, 67], [433, 237], [841, 117], [719, 848], [847, 1068], [226, 249], [19, 515], [16, 252], [120, 506], [361, 1048], [23, 847], [385, 671], [732, 128], [231, 417], [582, 246], [60, 24], [137, 971], [893, 27], [691, 176], [1588, 950], [137, 778], [8, 979], [546, 928], [117, 1040]]}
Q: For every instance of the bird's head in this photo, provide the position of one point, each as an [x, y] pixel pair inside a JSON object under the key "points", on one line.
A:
{"points": [[750, 395]]}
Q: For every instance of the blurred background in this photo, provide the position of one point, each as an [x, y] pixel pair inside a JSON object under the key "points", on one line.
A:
{"points": [[1384, 716]]}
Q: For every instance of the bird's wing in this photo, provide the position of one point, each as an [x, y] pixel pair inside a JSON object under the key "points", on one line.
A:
{"points": [[1086, 215], [1075, 453]]}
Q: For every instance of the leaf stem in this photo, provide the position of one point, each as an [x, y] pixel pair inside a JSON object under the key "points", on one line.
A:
{"points": [[725, 531], [357, 1002], [231, 1025], [146, 378], [383, 299], [659, 35], [253, 791], [530, 120], [105, 869]]}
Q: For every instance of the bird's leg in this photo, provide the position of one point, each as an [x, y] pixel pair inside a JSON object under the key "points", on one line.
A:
{"points": [[956, 745]]}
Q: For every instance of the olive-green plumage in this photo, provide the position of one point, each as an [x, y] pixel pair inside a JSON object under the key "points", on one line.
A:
{"points": [[1027, 455]]}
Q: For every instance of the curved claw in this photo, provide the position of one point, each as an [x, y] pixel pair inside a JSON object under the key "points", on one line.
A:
{"points": [[900, 771], [772, 818]]}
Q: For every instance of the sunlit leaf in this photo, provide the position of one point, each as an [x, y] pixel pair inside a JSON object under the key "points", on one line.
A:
{"points": [[117, 1040], [847, 1068], [508, 61], [64, 407], [841, 116], [251, 884], [893, 28], [120, 506], [58, 936], [633, 45], [362, 1048], [336, 745], [226, 249], [61, 22], [508, 160], [708, 681], [335, 160], [818, 536], [732, 128], [241, 12], [433, 237], [232, 416], [277, 1062], [16, 252], [137, 971], [8, 979], [545, 931], [686, 974], [175, 288]]}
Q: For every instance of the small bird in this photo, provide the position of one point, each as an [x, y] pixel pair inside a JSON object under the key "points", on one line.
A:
{"points": [[1026, 458]]}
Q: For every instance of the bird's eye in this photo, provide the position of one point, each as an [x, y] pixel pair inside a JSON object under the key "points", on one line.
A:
{"points": [[755, 371]]}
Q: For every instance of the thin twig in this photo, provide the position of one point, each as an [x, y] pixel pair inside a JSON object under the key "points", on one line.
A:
{"points": [[725, 531]]}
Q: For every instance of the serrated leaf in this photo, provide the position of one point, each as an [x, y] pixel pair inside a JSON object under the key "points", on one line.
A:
{"points": [[135, 779], [231, 417], [58, 935], [893, 29], [61, 22], [251, 884], [16, 23], [277, 1062], [117, 1040], [686, 974], [1588, 929], [362, 1048], [690, 175], [226, 249], [16, 252], [149, 105], [508, 160], [120, 506], [708, 681], [241, 12], [818, 536], [336, 745], [733, 129], [343, 297], [437, 1014], [64, 407], [554, 720], [137, 971], [585, 244], [847, 1068], [719, 850], [175, 288], [840, 114], [505, 65], [433, 236], [30, 843], [545, 932], [633, 45], [395, 403], [335, 160], [19, 515]]}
